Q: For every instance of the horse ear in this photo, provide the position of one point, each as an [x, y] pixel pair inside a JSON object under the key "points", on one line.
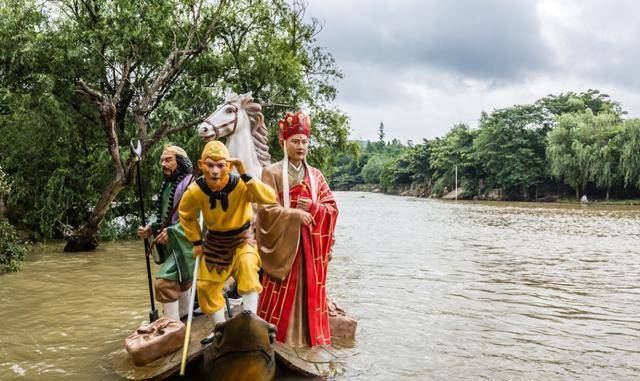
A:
{"points": [[231, 97], [247, 96]]}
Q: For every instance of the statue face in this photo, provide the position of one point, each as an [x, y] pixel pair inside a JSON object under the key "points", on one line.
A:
{"points": [[215, 171], [297, 147], [168, 163]]}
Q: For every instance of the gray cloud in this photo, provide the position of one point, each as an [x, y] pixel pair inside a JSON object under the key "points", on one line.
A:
{"points": [[447, 61], [494, 39], [595, 40]]}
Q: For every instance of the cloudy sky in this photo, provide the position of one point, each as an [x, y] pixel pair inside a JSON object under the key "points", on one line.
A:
{"points": [[421, 66]]}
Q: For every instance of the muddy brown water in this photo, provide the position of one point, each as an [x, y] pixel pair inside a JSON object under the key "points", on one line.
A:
{"points": [[443, 291]]}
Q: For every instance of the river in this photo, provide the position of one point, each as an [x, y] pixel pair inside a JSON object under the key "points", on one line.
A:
{"points": [[443, 291]]}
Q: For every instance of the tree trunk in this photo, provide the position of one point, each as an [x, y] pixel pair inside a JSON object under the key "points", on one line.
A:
{"points": [[84, 238], [607, 197], [577, 194]]}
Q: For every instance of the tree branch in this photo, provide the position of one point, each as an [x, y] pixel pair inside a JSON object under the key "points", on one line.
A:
{"points": [[273, 104], [166, 130], [94, 95], [174, 62], [185, 126], [124, 78], [108, 114]]}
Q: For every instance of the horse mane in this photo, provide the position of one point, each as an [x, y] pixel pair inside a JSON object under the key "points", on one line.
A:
{"points": [[258, 127]]}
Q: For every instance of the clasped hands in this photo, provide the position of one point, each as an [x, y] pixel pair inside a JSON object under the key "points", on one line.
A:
{"points": [[304, 205]]}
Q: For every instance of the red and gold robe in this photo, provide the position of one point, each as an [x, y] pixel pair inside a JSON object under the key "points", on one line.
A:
{"points": [[295, 260]]}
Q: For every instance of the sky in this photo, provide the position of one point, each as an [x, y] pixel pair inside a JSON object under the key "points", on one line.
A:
{"points": [[421, 66]]}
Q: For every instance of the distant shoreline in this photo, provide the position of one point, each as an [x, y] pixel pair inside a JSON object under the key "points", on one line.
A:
{"points": [[408, 192]]}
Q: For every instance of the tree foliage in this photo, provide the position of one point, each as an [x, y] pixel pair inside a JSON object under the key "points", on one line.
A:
{"points": [[12, 250], [629, 141], [81, 78], [583, 147], [510, 148], [454, 150], [575, 140]]}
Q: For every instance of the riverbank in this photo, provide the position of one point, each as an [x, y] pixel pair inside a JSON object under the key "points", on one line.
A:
{"points": [[423, 191]]}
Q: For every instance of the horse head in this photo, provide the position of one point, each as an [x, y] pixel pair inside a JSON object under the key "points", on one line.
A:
{"points": [[239, 119], [223, 121]]}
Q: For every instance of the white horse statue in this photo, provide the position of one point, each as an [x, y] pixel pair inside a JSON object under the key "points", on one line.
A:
{"points": [[240, 120]]}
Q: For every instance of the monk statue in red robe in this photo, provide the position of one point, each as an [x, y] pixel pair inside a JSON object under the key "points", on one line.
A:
{"points": [[294, 239]]}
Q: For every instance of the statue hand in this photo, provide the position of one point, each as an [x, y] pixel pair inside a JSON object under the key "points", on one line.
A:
{"points": [[163, 237], [304, 203], [238, 164], [144, 232], [196, 251], [228, 284], [307, 218]]}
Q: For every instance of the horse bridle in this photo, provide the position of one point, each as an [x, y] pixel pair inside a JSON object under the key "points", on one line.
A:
{"points": [[234, 121]]}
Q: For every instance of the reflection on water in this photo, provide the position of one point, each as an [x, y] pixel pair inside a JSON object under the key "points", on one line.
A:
{"points": [[443, 291]]}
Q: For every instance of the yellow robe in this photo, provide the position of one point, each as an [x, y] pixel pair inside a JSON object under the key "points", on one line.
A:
{"points": [[246, 261]]}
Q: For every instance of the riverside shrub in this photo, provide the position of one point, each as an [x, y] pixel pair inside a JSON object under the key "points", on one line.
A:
{"points": [[12, 250]]}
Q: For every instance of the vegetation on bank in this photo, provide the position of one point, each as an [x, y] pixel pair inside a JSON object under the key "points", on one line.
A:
{"points": [[12, 250], [567, 144]]}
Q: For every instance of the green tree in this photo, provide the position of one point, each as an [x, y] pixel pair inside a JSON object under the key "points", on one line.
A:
{"points": [[562, 155], [606, 151], [374, 168], [347, 169], [510, 147], [12, 250], [81, 78], [412, 165], [571, 102], [383, 166], [381, 132], [629, 140], [578, 149], [455, 149]]}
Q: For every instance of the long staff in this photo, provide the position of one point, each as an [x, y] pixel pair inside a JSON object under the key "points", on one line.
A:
{"points": [[187, 336], [136, 152], [226, 299]]}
